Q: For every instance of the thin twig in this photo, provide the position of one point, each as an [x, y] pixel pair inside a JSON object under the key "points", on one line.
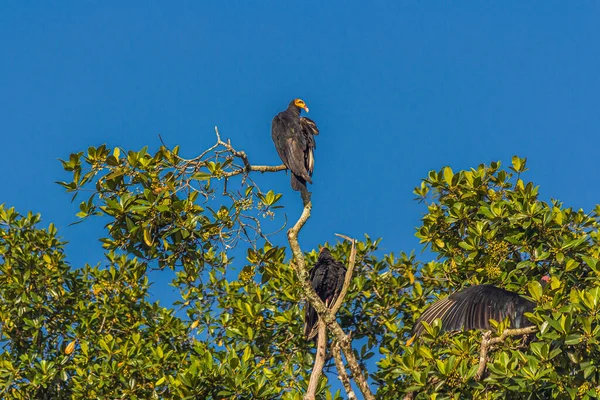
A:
{"points": [[337, 356], [247, 166]]}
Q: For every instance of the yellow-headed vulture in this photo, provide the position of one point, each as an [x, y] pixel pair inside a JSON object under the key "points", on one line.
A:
{"points": [[294, 140], [327, 278], [474, 306]]}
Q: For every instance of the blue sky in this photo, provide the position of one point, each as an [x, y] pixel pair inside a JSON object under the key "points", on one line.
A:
{"points": [[396, 88]]}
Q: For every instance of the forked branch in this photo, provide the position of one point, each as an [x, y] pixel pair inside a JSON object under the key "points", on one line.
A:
{"points": [[242, 155], [487, 341], [322, 335], [299, 264], [239, 164], [221, 162]]}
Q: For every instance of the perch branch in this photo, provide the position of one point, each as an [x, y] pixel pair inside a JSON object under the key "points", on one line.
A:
{"points": [[236, 153], [247, 166], [337, 356], [232, 163], [299, 265], [488, 341], [322, 334], [257, 168]]}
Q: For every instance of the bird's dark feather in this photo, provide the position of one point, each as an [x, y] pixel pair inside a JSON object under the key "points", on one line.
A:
{"points": [[294, 140], [474, 306], [327, 279]]}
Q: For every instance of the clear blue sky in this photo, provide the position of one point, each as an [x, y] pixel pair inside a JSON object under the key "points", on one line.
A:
{"points": [[397, 88]]}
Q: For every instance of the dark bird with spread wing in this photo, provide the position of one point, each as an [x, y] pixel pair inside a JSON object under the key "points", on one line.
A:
{"points": [[294, 140], [474, 306], [327, 278]]}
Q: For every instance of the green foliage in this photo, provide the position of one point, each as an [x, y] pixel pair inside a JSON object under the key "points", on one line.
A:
{"points": [[92, 331], [487, 225]]}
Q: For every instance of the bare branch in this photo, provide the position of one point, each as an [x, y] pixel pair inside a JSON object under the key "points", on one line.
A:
{"points": [[483, 354], [487, 341], [337, 356], [322, 334], [257, 168], [348, 278], [232, 163], [298, 259], [247, 166], [346, 345], [344, 341], [319, 362]]}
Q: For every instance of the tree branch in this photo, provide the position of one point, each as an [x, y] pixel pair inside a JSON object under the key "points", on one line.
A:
{"points": [[337, 356], [319, 362], [220, 162], [242, 154], [322, 333], [344, 341], [257, 168], [487, 341], [348, 278], [357, 373]]}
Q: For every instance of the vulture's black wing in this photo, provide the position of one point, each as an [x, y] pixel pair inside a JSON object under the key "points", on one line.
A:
{"points": [[291, 146], [474, 306], [317, 276], [309, 130]]}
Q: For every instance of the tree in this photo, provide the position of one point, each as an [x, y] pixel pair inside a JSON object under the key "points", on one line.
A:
{"points": [[92, 332]]}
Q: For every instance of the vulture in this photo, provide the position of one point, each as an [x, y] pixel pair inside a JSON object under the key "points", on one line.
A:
{"points": [[327, 279], [474, 306], [294, 140]]}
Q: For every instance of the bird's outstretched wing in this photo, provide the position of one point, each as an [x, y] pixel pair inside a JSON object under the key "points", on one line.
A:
{"points": [[473, 307]]}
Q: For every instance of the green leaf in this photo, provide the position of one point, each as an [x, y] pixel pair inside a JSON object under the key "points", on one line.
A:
{"points": [[573, 339], [148, 236], [448, 175], [202, 176]]}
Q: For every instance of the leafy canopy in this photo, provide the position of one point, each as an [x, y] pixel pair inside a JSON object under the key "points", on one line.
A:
{"points": [[236, 333]]}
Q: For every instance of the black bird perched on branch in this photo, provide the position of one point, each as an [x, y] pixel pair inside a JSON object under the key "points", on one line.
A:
{"points": [[474, 306], [294, 140], [327, 278]]}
